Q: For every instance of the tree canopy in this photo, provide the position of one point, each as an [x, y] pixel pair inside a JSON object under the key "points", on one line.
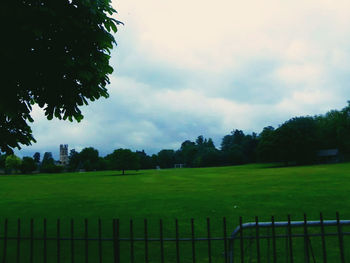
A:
{"points": [[57, 56]]}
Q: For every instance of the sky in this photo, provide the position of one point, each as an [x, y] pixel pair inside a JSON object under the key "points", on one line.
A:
{"points": [[196, 67]]}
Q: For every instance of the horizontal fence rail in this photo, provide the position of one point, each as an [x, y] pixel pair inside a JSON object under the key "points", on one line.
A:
{"points": [[275, 241]]}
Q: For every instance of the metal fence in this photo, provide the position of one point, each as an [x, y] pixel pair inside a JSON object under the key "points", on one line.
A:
{"points": [[283, 241]]}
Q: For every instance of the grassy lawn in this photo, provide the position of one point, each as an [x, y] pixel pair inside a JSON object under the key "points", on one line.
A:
{"points": [[246, 191]]}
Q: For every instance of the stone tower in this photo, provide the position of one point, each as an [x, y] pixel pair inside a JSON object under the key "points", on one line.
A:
{"points": [[64, 154]]}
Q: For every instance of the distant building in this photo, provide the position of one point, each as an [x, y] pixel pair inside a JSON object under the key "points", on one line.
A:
{"points": [[64, 160], [329, 156]]}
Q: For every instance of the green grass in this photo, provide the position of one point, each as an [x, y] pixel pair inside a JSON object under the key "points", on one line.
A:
{"points": [[246, 191]]}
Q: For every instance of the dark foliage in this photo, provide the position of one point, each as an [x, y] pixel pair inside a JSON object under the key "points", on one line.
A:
{"points": [[28, 165], [57, 56]]}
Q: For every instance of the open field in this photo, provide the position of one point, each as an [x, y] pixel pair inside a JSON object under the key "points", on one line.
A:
{"points": [[246, 191]]}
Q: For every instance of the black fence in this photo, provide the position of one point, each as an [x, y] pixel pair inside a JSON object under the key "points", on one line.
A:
{"points": [[274, 241]]}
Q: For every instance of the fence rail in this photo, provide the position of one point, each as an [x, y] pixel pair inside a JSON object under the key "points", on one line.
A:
{"points": [[284, 241]]}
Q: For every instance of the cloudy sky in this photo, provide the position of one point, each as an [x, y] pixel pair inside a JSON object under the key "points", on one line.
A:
{"points": [[190, 67]]}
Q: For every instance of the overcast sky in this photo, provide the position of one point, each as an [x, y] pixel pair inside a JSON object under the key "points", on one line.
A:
{"points": [[194, 67]]}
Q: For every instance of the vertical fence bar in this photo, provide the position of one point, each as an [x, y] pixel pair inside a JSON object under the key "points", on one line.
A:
{"points": [[58, 241], [146, 241], [193, 242], [209, 240], [257, 236], [72, 240], [161, 241], [177, 241], [45, 241], [18, 239], [273, 239], [86, 237], [290, 240], [306, 241], [225, 238], [131, 242], [100, 239], [31, 255], [340, 237], [5, 241], [241, 238], [324, 252], [116, 240]]}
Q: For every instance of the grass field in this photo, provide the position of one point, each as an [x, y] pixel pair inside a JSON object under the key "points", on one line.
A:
{"points": [[246, 191]]}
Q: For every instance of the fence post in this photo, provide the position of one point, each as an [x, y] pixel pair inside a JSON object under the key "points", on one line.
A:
{"points": [[273, 239], [177, 241], [257, 235], [306, 241], [193, 241], [131, 242], [72, 240], [5, 242], [323, 239], [19, 240], [31, 255], [86, 241], [225, 238], [209, 241], [58, 241], [161, 240], [116, 240], [100, 239], [241, 238], [340, 236], [45, 241], [290, 240], [146, 241]]}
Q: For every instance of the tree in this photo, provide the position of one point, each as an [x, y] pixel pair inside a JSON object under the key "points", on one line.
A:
{"points": [[36, 157], [89, 159], [48, 164], [124, 159], [297, 141], [12, 163], [28, 165], [166, 158], [62, 49], [2, 161], [74, 160], [47, 159], [266, 149]]}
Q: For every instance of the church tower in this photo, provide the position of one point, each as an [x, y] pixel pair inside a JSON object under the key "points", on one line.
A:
{"points": [[64, 154]]}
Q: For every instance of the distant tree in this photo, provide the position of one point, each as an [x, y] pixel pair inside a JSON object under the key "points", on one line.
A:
{"points": [[47, 159], [28, 165], [166, 158], [12, 163], [188, 152], [74, 160], [36, 157], [124, 159], [48, 164], [297, 141], [208, 157], [64, 48], [2, 161], [145, 160], [154, 159], [89, 158], [267, 148], [238, 148]]}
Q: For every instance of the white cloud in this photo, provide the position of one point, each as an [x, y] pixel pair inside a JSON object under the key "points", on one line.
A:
{"points": [[191, 67]]}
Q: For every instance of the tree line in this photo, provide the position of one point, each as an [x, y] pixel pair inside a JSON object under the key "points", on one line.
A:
{"points": [[295, 142]]}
